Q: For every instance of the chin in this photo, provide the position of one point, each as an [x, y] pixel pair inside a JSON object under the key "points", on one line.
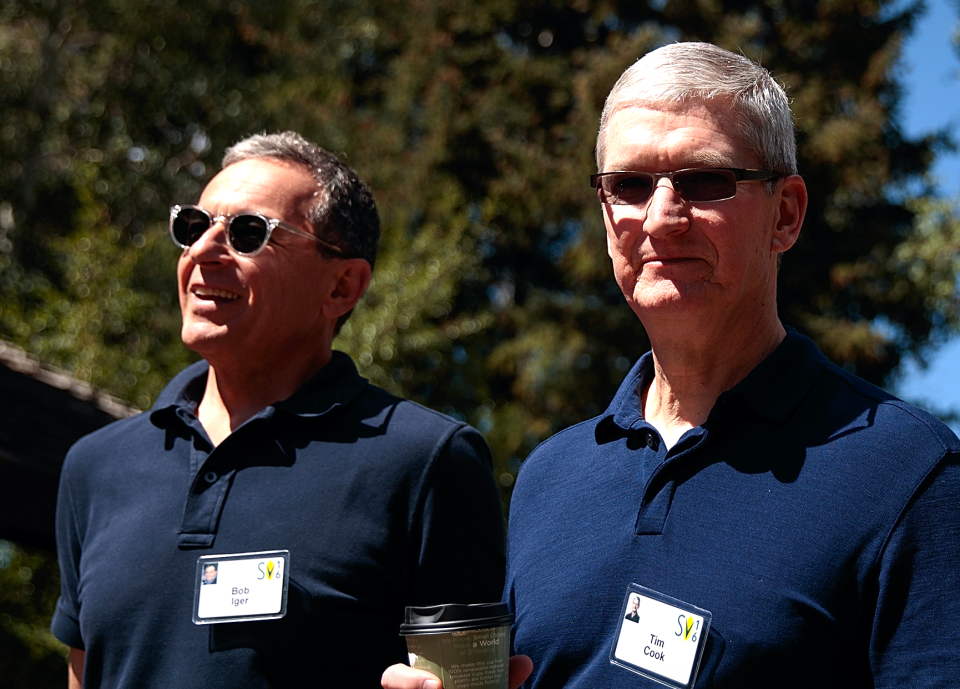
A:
{"points": [[667, 297], [201, 338]]}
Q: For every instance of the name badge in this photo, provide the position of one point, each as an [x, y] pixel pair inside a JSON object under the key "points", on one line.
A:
{"points": [[660, 637], [241, 586]]}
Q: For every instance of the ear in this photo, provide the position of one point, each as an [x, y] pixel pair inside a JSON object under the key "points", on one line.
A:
{"points": [[791, 209], [351, 279]]}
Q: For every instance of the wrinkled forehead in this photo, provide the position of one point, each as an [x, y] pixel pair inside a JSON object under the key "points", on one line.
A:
{"points": [[688, 134], [720, 110], [274, 187]]}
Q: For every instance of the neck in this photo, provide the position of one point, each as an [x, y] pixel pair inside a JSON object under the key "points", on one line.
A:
{"points": [[236, 393], [692, 371]]}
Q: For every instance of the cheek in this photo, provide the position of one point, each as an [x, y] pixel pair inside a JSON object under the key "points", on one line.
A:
{"points": [[183, 275], [623, 233]]}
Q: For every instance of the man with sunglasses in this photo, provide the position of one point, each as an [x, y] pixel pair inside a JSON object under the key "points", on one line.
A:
{"points": [[327, 504], [782, 522]]}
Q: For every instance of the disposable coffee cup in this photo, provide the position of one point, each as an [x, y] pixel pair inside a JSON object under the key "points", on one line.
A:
{"points": [[466, 646]]}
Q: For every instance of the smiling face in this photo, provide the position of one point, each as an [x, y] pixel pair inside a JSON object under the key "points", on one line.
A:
{"points": [[674, 257], [264, 308]]}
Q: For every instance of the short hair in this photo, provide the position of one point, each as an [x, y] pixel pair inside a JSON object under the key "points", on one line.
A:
{"points": [[682, 72], [345, 213]]}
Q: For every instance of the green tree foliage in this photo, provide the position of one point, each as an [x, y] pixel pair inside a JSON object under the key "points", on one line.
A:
{"points": [[474, 121], [30, 657]]}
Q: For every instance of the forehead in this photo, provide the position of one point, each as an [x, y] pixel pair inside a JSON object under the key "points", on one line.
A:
{"points": [[271, 187], [674, 136]]}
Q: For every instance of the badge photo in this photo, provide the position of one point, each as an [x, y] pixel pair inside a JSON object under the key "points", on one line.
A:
{"points": [[660, 637], [239, 587]]}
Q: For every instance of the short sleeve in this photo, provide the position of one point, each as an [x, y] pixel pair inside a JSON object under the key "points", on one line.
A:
{"points": [[915, 634], [66, 618], [461, 556]]}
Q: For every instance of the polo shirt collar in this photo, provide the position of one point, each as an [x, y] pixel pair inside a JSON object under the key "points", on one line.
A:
{"points": [[779, 383], [773, 389], [626, 407], [185, 390], [336, 384]]}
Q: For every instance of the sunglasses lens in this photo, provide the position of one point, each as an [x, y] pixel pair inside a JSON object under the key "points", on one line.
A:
{"points": [[628, 189], [247, 234], [706, 185], [189, 225]]}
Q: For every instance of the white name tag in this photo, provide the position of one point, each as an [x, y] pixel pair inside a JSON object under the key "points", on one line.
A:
{"points": [[660, 637], [241, 587]]}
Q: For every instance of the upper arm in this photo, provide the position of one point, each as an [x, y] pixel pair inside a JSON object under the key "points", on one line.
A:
{"points": [[75, 669], [66, 618], [914, 637], [461, 556]]}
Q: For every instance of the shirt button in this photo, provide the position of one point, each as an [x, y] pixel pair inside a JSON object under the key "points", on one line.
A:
{"points": [[210, 477], [652, 442]]}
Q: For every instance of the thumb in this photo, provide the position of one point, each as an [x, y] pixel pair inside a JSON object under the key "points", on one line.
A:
{"points": [[520, 668]]}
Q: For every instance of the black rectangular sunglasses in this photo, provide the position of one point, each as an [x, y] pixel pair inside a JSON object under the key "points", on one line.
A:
{"points": [[627, 188]]}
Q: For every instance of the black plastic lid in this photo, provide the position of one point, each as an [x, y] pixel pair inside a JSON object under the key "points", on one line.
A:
{"points": [[454, 617]]}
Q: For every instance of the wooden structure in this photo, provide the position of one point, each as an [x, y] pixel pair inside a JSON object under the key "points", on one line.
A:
{"points": [[42, 413]]}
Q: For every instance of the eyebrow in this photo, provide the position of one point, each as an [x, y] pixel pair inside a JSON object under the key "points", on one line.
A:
{"points": [[705, 159], [714, 159]]}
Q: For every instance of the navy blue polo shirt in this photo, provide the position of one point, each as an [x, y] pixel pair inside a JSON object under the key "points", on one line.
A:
{"points": [[382, 503], [814, 515]]}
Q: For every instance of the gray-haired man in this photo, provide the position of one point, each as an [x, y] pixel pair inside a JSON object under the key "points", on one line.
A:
{"points": [[783, 523]]}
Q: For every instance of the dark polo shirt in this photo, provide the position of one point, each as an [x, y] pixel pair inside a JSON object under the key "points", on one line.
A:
{"points": [[382, 503], [815, 516]]}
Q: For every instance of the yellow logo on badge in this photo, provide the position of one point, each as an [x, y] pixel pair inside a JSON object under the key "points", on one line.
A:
{"points": [[686, 634], [270, 574]]}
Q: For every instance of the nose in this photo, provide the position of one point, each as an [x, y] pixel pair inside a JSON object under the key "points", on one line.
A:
{"points": [[666, 212], [212, 244]]}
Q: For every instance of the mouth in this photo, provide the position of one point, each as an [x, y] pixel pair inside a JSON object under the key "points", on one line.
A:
{"points": [[666, 261], [212, 293]]}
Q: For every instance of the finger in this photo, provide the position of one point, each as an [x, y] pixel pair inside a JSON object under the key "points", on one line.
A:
{"points": [[520, 668], [403, 677]]}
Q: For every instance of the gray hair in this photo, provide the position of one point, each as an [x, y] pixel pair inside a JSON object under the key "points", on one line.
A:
{"points": [[345, 214], [683, 72]]}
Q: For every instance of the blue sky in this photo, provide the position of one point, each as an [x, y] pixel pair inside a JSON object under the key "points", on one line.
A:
{"points": [[931, 74]]}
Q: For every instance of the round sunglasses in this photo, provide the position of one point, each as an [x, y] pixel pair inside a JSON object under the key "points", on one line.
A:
{"points": [[626, 188], [247, 232]]}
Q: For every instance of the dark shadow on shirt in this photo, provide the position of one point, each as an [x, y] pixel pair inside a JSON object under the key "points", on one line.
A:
{"points": [[300, 647], [279, 437], [753, 444]]}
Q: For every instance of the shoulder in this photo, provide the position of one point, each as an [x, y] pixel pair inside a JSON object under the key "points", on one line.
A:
{"points": [[135, 437], [412, 434], [557, 461], [108, 454], [411, 416], [883, 419], [863, 446], [564, 447], [110, 438]]}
